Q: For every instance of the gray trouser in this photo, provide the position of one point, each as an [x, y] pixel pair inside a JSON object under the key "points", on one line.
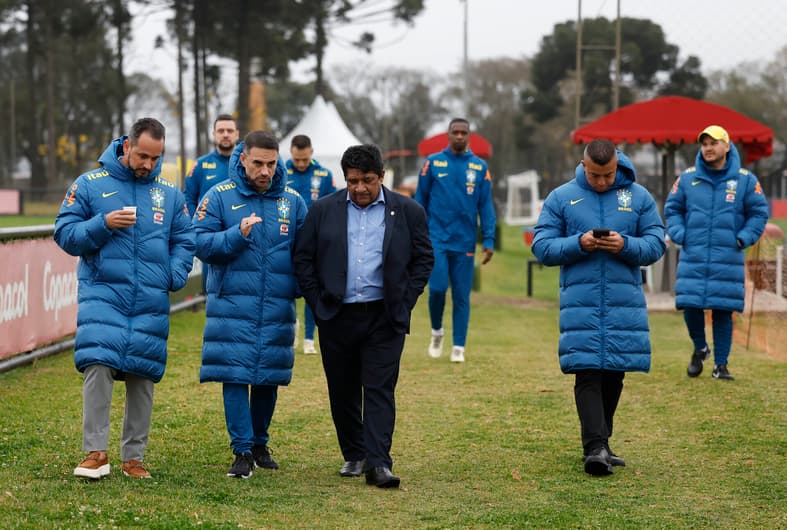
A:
{"points": [[96, 402]]}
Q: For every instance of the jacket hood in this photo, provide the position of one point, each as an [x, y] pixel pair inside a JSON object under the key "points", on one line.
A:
{"points": [[238, 175], [448, 152], [625, 175], [731, 167], [110, 160]]}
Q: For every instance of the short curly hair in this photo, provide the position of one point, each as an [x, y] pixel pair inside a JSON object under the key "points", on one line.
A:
{"points": [[366, 157]]}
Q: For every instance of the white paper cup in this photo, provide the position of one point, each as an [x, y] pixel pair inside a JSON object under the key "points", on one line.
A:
{"points": [[131, 209]]}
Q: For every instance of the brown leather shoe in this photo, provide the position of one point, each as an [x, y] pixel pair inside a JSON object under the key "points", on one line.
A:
{"points": [[135, 469], [95, 465]]}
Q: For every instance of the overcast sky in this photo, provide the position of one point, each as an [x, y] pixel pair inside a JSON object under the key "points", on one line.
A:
{"points": [[723, 33]]}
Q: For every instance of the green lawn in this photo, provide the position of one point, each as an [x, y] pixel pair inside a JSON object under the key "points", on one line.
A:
{"points": [[36, 213], [493, 443]]}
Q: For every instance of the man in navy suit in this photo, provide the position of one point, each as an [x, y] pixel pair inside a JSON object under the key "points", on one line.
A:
{"points": [[362, 260]]}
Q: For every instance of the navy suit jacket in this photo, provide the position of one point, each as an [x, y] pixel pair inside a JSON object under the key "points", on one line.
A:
{"points": [[321, 256]]}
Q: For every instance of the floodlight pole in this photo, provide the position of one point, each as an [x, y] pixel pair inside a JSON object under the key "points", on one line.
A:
{"points": [[578, 68], [616, 84], [465, 71]]}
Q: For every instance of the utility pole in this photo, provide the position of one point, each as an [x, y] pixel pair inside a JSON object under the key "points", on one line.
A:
{"points": [[181, 127], [12, 164], [580, 48], [465, 69], [578, 67], [616, 83]]}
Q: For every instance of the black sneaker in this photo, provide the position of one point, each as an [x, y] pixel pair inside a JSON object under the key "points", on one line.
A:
{"points": [[242, 466], [263, 458], [697, 358], [721, 372]]}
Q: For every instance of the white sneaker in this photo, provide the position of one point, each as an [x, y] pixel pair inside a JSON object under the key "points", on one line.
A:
{"points": [[436, 346], [308, 347], [458, 354]]}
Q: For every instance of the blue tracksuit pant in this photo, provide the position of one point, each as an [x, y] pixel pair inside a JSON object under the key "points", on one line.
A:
{"points": [[248, 414], [456, 267], [722, 332]]}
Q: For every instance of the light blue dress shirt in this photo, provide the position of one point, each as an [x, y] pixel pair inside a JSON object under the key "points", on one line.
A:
{"points": [[365, 231]]}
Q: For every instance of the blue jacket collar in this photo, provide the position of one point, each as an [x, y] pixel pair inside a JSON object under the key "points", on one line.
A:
{"points": [[110, 160], [238, 175], [730, 168], [624, 177]]}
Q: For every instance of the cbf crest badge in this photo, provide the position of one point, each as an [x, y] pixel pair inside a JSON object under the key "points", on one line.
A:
{"points": [[283, 208], [157, 197], [470, 177], [624, 200]]}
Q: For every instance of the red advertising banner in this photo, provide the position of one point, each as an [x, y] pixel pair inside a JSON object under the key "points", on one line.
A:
{"points": [[38, 295], [10, 202]]}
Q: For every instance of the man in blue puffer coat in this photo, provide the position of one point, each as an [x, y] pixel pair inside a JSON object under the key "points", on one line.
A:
{"points": [[246, 228], [603, 316], [132, 232], [715, 210]]}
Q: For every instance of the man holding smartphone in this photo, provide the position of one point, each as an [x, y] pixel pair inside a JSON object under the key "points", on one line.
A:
{"points": [[600, 228]]}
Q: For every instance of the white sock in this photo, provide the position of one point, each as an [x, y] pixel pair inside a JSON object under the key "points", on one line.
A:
{"points": [[437, 332]]}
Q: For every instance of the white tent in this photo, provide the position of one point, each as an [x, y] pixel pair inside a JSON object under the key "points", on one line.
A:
{"points": [[329, 135], [522, 203]]}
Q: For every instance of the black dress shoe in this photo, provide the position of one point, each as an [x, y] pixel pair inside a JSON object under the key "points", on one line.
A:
{"points": [[615, 460], [352, 468], [597, 462], [381, 477]]}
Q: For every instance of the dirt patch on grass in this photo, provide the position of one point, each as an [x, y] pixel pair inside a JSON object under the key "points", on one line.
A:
{"points": [[763, 331]]}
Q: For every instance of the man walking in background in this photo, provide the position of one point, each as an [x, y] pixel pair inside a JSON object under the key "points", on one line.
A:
{"points": [[306, 176], [212, 168], [716, 209], [133, 235], [455, 189]]}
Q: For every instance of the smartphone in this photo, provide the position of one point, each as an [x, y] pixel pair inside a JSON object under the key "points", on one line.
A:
{"points": [[600, 232]]}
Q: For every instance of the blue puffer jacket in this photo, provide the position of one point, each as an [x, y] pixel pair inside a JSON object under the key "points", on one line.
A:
{"points": [[251, 285], [209, 169], [455, 189], [125, 274], [708, 212], [603, 315], [311, 184]]}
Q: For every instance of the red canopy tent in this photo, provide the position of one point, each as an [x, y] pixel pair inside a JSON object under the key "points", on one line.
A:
{"points": [[479, 145], [677, 120], [670, 121]]}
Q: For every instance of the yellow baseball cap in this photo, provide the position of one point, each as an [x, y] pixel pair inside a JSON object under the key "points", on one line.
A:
{"points": [[716, 132]]}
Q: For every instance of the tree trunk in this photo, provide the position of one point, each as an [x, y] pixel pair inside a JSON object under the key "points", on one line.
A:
{"points": [[199, 94], [120, 24], [38, 177], [181, 126], [243, 71], [51, 132], [320, 43]]}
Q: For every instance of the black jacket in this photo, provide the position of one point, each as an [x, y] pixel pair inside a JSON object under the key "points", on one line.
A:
{"points": [[321, 256]]}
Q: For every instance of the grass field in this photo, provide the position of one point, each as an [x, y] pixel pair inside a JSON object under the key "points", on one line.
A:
{"points": [[493, 443]]}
